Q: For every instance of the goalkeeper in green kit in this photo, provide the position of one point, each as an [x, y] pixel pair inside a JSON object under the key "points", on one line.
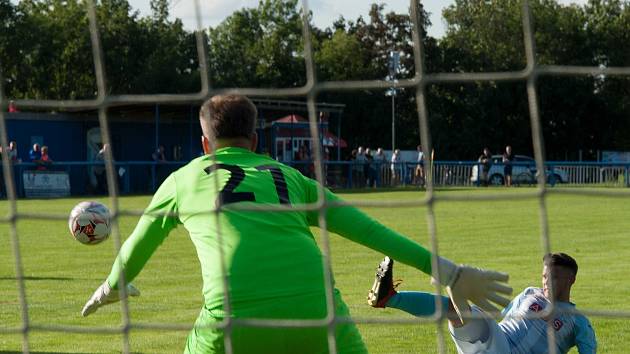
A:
{"points": [[273, 266]]}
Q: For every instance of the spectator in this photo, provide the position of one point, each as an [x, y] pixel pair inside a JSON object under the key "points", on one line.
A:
{"points": [[99, 170], [326, 158], [35, 154], [380, 156], [395, 168], [161, 171], [359, 167], [368, 168], [44, 159], [353, 155], [159, 155], [177, 153], [303, 157], [418, 176], [349, 168], [12, 107], [507, 165], [12, 152], [380, 162], [485, 160]]}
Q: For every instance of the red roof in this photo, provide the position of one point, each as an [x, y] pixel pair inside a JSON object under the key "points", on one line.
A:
{"points": [[330, 139], [292, 118]]}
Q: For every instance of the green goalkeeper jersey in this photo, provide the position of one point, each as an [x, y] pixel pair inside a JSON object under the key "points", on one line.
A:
{"points": [[267, 255]]}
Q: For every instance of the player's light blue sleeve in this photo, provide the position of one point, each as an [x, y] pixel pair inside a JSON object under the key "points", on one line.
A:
{"points": [[418, 303], [354, 225], [585, 336], [152, 228]]}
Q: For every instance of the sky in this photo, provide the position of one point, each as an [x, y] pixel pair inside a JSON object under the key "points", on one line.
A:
{"points": [[324, 11]]}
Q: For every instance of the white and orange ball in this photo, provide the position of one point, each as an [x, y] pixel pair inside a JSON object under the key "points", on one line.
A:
{"points": [[89, 222]]}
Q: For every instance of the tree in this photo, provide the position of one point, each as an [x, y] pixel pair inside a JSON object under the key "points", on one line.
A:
{"points": [[487, 36], [53, 43], [260, 47], [159, 11], [342, 57], [121, 38], [51, 50], [368, 114], [167, 54], [46, 52], [9, 37]]}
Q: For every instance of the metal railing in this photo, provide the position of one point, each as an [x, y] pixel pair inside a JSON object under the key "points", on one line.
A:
{"points": [[142, 177], [138, 177], [350, 174], [134, 177], [529, 75]]}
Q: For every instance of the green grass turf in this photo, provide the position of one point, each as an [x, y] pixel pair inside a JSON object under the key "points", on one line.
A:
{"points": [[61, 273]]}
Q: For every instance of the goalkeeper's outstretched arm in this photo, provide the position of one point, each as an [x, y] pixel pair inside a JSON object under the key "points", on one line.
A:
{"points": [[152, 228], [482, 287]]}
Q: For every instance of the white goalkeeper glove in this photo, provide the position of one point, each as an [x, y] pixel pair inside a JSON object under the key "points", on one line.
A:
{"points": [[478, 285], [105, 295]]}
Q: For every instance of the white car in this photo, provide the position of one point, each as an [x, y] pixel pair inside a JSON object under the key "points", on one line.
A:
{"points": [[523, 172]]}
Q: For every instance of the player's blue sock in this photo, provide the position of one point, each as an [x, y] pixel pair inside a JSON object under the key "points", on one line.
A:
{"points": [[416, 303]]}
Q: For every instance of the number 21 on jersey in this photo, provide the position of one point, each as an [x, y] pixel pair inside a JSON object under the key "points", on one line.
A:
{"points": [[237, 175]]}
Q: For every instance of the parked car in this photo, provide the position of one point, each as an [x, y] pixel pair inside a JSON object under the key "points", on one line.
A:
{"points": [[523, 172]]}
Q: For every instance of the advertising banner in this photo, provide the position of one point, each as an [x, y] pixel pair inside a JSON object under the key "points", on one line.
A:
{"points": [[46, 184]]}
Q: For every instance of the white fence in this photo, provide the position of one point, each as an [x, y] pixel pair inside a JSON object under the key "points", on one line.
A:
{"points": [[347, 174], [446, 173], [614, 176]]}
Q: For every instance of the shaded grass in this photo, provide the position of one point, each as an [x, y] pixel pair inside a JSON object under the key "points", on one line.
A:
{"points": [[60, 274]]}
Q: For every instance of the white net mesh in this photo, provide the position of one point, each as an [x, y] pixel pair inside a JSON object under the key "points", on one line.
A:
{"points": [[310, 91]]}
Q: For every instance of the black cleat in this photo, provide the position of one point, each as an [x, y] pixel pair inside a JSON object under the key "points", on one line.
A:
{"points": [[383, 288]]}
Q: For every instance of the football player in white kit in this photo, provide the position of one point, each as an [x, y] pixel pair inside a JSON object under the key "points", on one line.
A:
{"points": [[525, 321]]}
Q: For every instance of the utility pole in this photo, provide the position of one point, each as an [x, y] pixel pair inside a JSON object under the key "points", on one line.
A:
{"points": [[394, 68]]}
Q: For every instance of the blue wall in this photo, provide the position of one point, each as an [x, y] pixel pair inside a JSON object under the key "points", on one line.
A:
{"points": [[66, 137]]}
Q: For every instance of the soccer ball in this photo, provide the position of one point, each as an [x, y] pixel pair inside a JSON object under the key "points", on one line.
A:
{"points": [[89, 222]]}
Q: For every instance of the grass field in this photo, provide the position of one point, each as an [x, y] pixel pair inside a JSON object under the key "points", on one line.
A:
{"points": [[61, 273]]}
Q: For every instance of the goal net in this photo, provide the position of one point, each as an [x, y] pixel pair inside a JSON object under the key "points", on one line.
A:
{"points": [[419, 83]]}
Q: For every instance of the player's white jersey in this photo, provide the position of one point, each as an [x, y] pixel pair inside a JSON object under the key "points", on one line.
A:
{"points": [[527, 334]]}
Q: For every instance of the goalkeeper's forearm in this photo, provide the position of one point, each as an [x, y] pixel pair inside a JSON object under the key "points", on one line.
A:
{"points": [[137, 250], [356, 226]]}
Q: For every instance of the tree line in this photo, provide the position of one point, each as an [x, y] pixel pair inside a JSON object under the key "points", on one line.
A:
{"points": [[45, 52]]}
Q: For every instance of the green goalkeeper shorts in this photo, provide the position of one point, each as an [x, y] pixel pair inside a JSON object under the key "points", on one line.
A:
{"points": [[262, 340]]}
